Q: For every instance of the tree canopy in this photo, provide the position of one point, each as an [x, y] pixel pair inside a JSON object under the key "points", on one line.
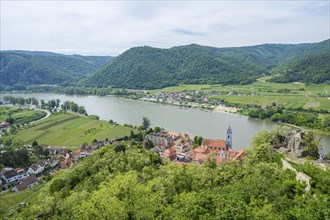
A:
{"points": [[126, 181]]}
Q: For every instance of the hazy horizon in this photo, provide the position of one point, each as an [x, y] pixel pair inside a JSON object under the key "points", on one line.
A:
{"points": [[45, 51]]}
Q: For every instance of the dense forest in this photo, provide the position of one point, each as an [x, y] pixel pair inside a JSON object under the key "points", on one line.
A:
{"points": [[150, 68], [25, 68], [126, 181], [308, 69]]}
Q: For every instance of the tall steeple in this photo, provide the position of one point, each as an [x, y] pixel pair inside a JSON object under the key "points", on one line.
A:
{"points": [[229, 138]]}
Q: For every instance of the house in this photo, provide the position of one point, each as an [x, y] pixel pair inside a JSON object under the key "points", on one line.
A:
{"points": [[76, 155], [200, 158], [26, 183], [169, 153], [178, 136], [213, 144], [52, 162], [12, 175], [220, 150], [37, 167], [5, 125], [159, 139], [80, 154], [67, 163]]}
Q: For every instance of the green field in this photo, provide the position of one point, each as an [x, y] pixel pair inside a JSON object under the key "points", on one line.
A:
{"points": [[263, 93], [9, 200], [70, 130], [20, 115]]}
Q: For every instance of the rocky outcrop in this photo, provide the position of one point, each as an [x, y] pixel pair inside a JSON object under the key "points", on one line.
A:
{"points": [[293, 143]]}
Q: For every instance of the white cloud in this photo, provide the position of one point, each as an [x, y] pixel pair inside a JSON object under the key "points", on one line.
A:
{"points": [[111, 27]]}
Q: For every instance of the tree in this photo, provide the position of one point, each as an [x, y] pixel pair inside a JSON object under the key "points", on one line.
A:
{"points": [[10, 120], [157, 129], [311, 144], [149, 144], [34, 143], [81, 110], [198, 140], [145, 124]]}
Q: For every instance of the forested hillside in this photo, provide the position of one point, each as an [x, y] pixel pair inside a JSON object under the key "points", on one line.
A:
{"points": [[150, 68], [308, 69], [26, 67], [126, 181]]}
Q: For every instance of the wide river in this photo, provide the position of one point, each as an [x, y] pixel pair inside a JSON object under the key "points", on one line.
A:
{"points": [[185, 120]]}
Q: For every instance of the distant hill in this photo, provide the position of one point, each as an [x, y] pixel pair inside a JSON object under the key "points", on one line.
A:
{"points": [[150, 68], [308, 69], [27, 67]]}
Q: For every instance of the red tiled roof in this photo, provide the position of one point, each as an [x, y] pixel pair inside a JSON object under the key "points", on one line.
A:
{"points": [[217, 143], [10, 173], [200, 156], [26, 182], [201, 149], [76, 154], [220, 160], [239, 154]]}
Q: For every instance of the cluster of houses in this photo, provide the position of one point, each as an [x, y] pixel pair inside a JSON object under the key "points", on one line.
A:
{"points": [[180, 149], [192, 99], [4, 127], [61, 159]]}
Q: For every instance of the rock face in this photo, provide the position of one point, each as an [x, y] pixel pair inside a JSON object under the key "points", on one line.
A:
{"points": [[293, 143]]}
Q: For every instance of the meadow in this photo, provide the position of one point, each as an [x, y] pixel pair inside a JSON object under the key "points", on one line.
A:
{"points": [[9, 201], [20, 115], [70, 130]]}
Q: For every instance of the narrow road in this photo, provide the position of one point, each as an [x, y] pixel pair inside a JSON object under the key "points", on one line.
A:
{"points": [[300, 176], [48, 114]]}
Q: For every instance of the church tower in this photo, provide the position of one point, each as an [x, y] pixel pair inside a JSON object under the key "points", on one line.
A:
{"points": [[229, 141]]}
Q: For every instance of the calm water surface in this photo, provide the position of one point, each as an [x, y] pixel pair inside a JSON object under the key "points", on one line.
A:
{"points": [[185, 120]]}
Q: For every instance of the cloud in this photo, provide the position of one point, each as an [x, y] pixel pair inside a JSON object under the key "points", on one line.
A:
{"points": [[187, 32], [111, 27]]}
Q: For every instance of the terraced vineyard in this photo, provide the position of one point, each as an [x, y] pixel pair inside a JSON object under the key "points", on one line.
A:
{"points": [[70, 130], [20, 115]]}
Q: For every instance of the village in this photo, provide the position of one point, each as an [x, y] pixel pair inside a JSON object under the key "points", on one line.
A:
{"points": [[174, 146], [195, 99], [180, 149], [61, 158]]}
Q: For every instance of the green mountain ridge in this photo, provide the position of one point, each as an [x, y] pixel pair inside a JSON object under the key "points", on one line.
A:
{"points": [[151, 68], [36, 67]]}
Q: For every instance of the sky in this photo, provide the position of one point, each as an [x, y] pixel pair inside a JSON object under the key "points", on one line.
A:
{"points": [[112, 27]]}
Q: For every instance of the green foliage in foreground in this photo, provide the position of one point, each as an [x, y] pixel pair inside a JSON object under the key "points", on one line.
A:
{"points": [[12, 199], [133, 184], [70, 130]]}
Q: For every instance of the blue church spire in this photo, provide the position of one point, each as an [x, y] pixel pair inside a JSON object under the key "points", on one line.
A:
{"points": [[229, 138]]}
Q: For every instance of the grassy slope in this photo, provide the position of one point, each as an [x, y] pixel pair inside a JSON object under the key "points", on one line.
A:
{"points": [[266, 93], [70, 130], [25, 115], [10, 200]]}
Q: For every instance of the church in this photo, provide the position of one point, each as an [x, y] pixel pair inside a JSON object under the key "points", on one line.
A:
{"points": [[220, 150]]}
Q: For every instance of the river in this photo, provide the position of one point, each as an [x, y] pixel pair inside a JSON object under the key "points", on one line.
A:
{"points": [[185, 120]]}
